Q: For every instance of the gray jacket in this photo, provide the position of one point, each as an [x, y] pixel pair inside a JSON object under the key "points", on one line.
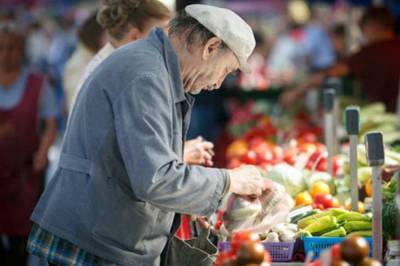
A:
{"points": [[121, 177]]}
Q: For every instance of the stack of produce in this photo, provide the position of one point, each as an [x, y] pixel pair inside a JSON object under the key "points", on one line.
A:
{"points": [[334, 223]]}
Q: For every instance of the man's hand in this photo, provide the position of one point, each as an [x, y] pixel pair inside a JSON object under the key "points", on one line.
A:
{"points": [[246, 180], [198, 151]]}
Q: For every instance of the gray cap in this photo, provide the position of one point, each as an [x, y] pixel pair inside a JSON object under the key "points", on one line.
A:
{"points": [[229, 27]]}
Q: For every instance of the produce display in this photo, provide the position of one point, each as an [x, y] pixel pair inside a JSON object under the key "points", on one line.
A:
{"points": [[314, 205]]}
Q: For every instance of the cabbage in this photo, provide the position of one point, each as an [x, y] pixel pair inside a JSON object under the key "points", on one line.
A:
{"points": [[289, 177]]}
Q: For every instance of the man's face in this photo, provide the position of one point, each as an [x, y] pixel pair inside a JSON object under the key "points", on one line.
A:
{"points": [[11, 52], [208, 66]]}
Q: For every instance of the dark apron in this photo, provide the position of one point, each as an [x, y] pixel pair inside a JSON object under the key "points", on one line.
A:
{"points": [[19, 184]]}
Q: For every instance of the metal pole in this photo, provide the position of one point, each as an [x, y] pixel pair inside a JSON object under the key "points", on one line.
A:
{"points": [[376, 158], [353, 172], [377, 213], [353, 129]]}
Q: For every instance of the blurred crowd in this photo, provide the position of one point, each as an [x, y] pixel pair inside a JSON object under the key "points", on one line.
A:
{"points": [[44, 59]]}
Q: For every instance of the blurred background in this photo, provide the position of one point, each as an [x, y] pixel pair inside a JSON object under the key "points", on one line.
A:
{"points": [[296, 40]]}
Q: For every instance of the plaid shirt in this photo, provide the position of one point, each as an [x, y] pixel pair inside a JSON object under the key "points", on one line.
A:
{"points": [[59, 251]]}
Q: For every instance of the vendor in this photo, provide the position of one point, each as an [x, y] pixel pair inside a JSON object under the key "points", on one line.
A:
{"points": [[27, 130], [376, 65], [121, 179]]}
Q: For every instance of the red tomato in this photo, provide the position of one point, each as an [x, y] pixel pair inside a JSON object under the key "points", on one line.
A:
{"points": [[242, 237], [322, 165], [316, 156], [326, 200], [257, 143], [234, 163], [249, 157], [223, 257], [308, 137], [335, 251], [318, 206], [265, 156], [267, 257], [307, 147], [289, 158]]}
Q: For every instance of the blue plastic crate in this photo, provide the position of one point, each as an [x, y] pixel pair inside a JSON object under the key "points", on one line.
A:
{"points": [[318, 244]]}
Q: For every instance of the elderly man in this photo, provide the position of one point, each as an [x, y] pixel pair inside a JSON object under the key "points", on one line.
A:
{"points": [[121, 180]]}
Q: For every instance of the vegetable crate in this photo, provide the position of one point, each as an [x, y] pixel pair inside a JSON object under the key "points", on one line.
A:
{"points": [[279, 251], [318, 244]]}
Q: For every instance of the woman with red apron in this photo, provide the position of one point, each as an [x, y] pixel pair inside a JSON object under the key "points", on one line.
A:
{"points": [[23, 152]]}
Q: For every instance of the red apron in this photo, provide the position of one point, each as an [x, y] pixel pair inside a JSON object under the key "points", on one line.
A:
{"points": [[19, 140]]}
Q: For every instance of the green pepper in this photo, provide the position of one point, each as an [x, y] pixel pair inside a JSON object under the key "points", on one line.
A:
{"points": [[336, 233], [322, 224]]}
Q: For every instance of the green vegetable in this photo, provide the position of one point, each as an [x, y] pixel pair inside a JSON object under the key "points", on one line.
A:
{"points": [[303, 223], [301, 216], [336, 233], [322, 224], [352, 216], [357, 226], [389, 209], [289, 177], [337, 212], [364, 233]]}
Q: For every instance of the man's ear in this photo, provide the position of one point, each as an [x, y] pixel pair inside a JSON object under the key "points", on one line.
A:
{"points": [[211, 47]]}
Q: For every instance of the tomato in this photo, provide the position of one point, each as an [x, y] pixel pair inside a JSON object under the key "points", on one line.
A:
{"points": [[265, 156], [258, 143], [308, 137], [320, 187], [267, 257], [303, 198], [249, 157], [242, 237], [335, 251], [307, 147], [317, 156], [322, 166], [234, 163], [325, 200], [224, 257], [318, 206]]}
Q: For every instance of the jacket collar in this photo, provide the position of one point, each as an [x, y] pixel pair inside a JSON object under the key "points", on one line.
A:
{"points": [[158, 39]]}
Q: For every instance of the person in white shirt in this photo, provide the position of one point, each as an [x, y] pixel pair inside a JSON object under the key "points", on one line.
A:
{"points": [[91, 37]]}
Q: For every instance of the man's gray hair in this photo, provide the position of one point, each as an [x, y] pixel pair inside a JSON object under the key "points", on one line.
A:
{"points": [[185, 25]]}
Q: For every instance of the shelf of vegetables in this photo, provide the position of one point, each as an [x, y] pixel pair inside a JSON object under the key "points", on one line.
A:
{"points": [[308, 210]]}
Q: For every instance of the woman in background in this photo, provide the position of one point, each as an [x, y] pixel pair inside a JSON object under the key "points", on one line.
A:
{"points": [[27, 130]]}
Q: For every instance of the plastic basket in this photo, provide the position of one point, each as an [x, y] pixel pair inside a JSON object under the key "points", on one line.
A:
{"points": [[318, 244], [279, 251]]}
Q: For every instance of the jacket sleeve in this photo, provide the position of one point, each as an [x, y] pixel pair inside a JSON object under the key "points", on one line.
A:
{"points": [[143, 122]]}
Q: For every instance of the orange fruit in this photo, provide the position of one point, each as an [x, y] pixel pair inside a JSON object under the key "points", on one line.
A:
{"points": [[361, 207], [237, 148], [320, 188], [303, 198], [368, 187]]}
